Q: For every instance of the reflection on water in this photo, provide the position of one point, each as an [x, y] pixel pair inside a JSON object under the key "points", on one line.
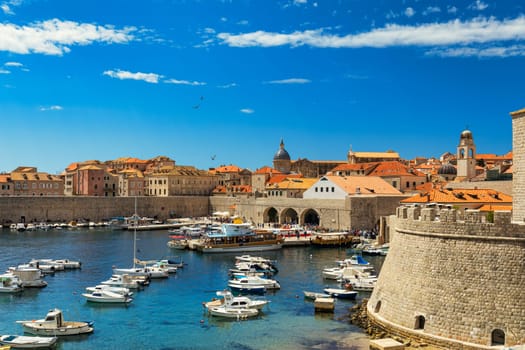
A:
{"points": [[169, 314]]}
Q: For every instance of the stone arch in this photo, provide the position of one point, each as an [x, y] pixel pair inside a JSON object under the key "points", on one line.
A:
{"points": [[420, 322], [289, 216], [310, 217], [271, 215], [497, 337]]}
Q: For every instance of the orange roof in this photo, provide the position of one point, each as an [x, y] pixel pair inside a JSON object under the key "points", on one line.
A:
{"points": [[280, 177], [460, 196], [228, 169], [365, 184], [352, 167], [494, 207], [293, 183], [267, 170], [4, 177], [394, 169]]}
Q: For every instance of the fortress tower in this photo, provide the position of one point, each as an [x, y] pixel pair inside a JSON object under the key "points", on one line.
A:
{"points": [[518, 165], [453, 279]]}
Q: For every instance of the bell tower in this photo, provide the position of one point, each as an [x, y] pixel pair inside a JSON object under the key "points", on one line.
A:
{"points": [[466, 156]]}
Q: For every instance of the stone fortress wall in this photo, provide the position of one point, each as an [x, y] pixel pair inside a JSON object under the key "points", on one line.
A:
{"points": [[452, 282]]}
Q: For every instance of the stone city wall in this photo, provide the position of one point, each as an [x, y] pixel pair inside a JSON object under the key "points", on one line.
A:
{"points": [[462, 278], [64, 209]]}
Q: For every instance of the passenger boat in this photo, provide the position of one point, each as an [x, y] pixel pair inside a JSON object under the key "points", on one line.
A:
{"points": [[27, 342], [332, 239], [54, 324], [226, 298], [239, 238]]}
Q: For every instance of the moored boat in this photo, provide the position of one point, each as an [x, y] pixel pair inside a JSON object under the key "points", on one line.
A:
{"points": [[54, 324], [235, 313], [341, 293], [106, 296], [114, 289], [226, 298], [27, 342], [315, 295], [239, 238], [10, 283]]}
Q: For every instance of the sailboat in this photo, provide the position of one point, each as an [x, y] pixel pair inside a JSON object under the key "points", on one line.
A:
{"points": [[134, 270]]}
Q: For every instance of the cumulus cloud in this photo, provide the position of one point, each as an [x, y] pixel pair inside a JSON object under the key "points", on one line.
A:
{"points": [[227, 86], [247, 111], [13, 64], [123, 75], [290, 81], [6, 9], [55, 37], [452, 9], [51, 108], [184, 82], [478, 5], [456, 32]]}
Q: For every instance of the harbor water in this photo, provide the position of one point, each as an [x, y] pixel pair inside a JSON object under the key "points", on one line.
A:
{"points": [[169, 314]]}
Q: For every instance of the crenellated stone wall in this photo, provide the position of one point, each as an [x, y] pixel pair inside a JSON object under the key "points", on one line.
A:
{"points": [[461, 276]]}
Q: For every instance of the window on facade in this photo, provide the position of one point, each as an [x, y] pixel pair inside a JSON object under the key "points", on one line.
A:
{"points": [[420, 322], [321, 189], [497, 337], [333, 189], [95, 186], [408, 184], [394, 184], [316, 189]]}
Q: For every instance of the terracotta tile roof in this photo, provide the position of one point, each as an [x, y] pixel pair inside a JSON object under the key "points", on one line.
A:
{"points": [[90, 167], [366, 184], [4, 178], [280, 177], [267, 170], [393, 155], [352, 167], [394, 169], [494, 207], [228, 169], [293, 183], [460, 196]]}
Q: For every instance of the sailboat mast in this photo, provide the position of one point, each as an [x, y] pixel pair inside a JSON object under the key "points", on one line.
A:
{"points": [[135, 223]]}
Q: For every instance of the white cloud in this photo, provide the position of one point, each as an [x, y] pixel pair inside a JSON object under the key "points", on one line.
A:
{"points": [[13, 64], [478, 5], [299, 2], [51, 108], [4, 71], [431, 9], [409, 12], [247, 111], [290, 81], [184, 82], [496, 51], [227, 86], [55, 37], [123, 75], [6, 9], [452, 9], [224, 19], [456, 32], [243, 22], [7, 6]]}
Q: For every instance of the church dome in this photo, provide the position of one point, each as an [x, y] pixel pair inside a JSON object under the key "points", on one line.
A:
{"points": [[281, 154], [447, 169]]}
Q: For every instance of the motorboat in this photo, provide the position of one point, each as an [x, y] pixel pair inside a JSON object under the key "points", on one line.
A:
{"points": [[27, 342], [125, 281], [341, 293], [54, 324], [113, 289], [254, 280], [10, 283], [230, 312], [106, 296], [361, 283], [68, 264], [315, 295], [226, 298]]}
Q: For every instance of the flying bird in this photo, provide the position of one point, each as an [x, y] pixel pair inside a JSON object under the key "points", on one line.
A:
{"points": [[213, 157], [198, 105]]}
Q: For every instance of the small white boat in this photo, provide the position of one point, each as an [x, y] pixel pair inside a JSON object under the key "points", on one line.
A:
{"points": [[125, 281], [229, 312], [105, 296], [27, 342], [341, 293], [227, 299], [253, 284], [10, 283], [113, 289], [54, 324], [315, 295]]}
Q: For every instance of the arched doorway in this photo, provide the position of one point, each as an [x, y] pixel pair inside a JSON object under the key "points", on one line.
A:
{"points": [[289, 216], [420, 322], [271, 215], [311, 218], [497, 337]]}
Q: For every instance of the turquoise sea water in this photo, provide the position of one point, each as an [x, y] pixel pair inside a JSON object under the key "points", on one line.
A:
{"points": [[169, 314]]}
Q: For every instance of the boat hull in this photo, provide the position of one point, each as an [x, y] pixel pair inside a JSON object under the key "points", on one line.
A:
{"points": [[66, 330], [240, 248], [26, 342]]}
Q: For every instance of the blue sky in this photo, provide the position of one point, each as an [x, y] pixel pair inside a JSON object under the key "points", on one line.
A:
{"points": [[221, 82]]}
